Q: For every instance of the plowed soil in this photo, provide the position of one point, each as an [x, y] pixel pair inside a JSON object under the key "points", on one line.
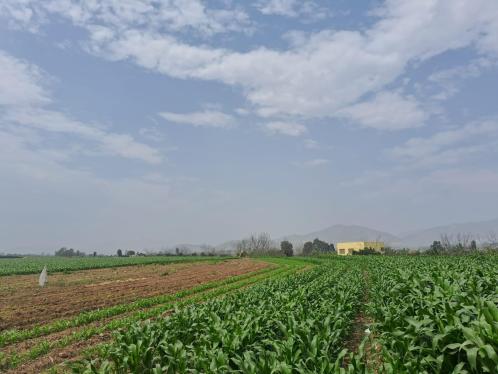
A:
{"points": [[23, 303]]}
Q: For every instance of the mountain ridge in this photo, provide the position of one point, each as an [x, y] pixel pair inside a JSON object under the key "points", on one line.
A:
{"points": [[343, 233], [481, 231]]}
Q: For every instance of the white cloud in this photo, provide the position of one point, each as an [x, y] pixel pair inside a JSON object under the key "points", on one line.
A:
{"points": [[331, 70], [449, 80], [386, 111], [312, 163], [24, 99], [326, 72], [173, 15], [292, 8], [285, 128], [450, 146], [206, 118], [121, 145], [20, 83]]}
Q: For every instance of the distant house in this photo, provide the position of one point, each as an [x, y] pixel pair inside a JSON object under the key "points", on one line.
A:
{"points": [[347, 248]]}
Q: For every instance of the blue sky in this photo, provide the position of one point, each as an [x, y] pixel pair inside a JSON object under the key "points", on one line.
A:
{"points": [[139, 124]]}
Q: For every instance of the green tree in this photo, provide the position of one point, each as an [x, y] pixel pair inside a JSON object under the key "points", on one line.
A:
{"points": [[322, 247], [286, 248], [307, 248], [120, 253], [69, 252], [473, 245], [436, 248]]}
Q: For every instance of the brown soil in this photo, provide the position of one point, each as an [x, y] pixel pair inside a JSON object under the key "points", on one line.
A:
{"points": [[58, 356], [59, 359], [357, 334], [360, 324], [30, 343], [69, 294]]}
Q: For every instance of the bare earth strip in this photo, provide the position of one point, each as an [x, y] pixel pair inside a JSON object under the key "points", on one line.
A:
{"points": [[358, 333], [71, 352], [70, 294]]}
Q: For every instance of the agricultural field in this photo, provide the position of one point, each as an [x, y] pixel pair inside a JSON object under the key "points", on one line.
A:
{"points": [[34, 264], [79, 309], [358, 314]]}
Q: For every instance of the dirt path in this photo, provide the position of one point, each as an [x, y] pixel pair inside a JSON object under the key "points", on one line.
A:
{"points": [[359, 332], [68, 295]]}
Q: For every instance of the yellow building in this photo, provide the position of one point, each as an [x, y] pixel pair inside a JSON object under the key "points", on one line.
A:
{"points": [[347, 248]]}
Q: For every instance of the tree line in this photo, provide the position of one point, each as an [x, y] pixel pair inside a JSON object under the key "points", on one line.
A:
{"points": [[262, 245]]}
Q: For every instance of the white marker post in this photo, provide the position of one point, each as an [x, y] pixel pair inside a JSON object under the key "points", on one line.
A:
{"points": [[43, 277]]}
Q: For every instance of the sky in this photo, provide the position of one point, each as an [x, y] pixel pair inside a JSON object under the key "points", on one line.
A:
{"points": [[140, 124]]}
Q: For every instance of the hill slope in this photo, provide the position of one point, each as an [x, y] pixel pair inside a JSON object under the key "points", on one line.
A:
{"points": [[480, 231], [344, 233]]}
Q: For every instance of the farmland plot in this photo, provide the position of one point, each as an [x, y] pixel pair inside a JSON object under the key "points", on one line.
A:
{"points": [[357, 314], [295, 324], [34, 264], [23, 303], [425, 315], [44, 344], [436, 315]]}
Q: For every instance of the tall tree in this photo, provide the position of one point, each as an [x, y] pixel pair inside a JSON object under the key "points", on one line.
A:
{"points": [[436, 247], [286, 248], [322, 247], [307, 248]]}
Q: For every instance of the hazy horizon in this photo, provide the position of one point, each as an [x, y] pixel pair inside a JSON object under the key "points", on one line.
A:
{"points": [[480, 230], [143, 124]]}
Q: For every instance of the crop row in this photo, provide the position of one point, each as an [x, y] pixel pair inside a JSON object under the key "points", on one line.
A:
{"points": [[183, 298], [35, 264], [293, 324], [17, 335], [436, 315]]}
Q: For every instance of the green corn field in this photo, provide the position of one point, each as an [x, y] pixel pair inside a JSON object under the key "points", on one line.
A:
{"points": [[418, 315]]}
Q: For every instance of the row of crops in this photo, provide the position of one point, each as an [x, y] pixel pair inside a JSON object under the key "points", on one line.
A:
{"points": [[435, 315], [43, 339], [292, 324], [34, 264], [422, 315]]}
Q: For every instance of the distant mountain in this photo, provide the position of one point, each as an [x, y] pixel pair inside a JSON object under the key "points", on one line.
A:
{"points": [[344, 233], [479, 231]]}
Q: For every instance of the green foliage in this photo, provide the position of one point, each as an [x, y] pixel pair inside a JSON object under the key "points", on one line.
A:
{"points": [[430, 314], [322, 247], [143, 311], [286, 248], [64, 252], [436, 314], [291, 325], [436, 248], [366, 252], [318, 247], [34, 264], [307, 248]]}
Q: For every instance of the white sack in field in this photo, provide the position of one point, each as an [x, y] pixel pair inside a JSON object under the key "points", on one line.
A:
{"points": [[43, 277]]}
